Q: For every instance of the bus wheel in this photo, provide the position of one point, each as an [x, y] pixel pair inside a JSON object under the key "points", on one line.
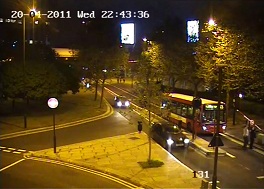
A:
{"points": [[189, 128]]}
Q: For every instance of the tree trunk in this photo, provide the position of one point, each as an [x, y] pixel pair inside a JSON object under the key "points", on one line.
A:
{"points": [[13, 105], [102, 94], [227, 101], [195, 89], [96, 87]]}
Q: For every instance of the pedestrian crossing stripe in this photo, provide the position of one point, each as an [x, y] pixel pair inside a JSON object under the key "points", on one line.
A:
{"points": [[12, 150]]}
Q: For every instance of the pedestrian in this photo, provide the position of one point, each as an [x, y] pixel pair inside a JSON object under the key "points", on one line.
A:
{"points": [[252, 136], [245, 136]]}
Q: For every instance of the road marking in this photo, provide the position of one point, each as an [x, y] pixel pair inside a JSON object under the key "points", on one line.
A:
{"points": [[105, 175], [11, 148], [6, 150], [11, 165], [230, 155], [260, 177], [109, 112], [2, 147], [21, 150], [247, 168], [231, 139], [16, 152]]}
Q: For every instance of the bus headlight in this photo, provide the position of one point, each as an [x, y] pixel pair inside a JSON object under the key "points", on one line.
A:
{"points": [[186, 141], [204, 128], [127, 103], [170, 141], [119, 103]]}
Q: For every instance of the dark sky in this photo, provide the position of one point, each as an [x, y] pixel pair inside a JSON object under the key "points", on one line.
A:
{"points": [[159, 10]]}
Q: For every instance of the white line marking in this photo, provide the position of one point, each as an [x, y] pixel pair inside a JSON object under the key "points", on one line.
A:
{"points": [[230, 155], [12, 164], [21, 150], [105, 175], [11, 148], [108, 113], [17, 152], [2, 147], [6, 151], [247, 168], [260, 177]]}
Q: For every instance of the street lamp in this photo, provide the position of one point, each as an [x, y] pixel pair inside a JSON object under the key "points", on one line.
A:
{"points": [[24, 57], [53, 104], [211, 22]]}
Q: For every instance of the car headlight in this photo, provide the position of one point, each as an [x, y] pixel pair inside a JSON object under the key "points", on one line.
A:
{"points": [[204, 128], [127, 103], [224, 127], [119, 103], [170, 141], [186, 141]]}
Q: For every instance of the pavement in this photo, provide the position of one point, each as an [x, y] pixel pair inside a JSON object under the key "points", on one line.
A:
{"points": [[119, 156]]}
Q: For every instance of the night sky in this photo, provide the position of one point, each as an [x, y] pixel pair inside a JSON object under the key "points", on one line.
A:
{"points": [[159, 10]]}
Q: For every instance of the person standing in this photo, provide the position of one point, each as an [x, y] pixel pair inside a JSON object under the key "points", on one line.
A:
{"points": [[252, 136], [245, 136]]}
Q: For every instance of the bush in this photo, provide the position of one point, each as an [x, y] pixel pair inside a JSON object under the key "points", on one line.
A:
{"points": [[150, 164]]}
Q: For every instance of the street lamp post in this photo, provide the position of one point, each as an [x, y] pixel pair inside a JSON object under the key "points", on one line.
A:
{"points": [[53, 104], [24, 64]]}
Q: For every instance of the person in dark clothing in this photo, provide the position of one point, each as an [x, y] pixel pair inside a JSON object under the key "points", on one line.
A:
{"points": [[245, 136], [252, 136]]}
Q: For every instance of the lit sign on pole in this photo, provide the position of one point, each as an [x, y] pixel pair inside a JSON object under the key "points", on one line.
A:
{"points": [[128, 33], [192, 31]]}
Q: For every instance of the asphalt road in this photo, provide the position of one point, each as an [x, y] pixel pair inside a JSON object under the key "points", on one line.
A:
{"points": [[239, 170], [36, 174]]}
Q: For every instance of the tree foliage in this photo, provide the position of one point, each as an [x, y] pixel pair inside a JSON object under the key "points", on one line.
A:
{"points": [[40, 77], [96, 60], [223, 46]]}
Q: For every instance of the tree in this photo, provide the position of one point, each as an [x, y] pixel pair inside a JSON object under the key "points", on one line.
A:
{"points": [[40, 80], [180, 65], [221, 45], [100, 62], [148, 76]]}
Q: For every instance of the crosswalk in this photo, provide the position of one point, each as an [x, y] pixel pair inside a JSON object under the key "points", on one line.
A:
{"points": [[13, 150]]}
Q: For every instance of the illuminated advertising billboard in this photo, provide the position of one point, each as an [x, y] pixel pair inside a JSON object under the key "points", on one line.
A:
{"points": [[192, 31], [128, 33]]}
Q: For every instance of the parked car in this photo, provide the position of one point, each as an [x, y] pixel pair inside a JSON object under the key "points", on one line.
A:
{"points": [[121, 102], [168, 134]]}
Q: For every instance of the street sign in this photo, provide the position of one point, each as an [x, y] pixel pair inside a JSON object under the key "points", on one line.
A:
{"points": [[213, 141], [53, 103]]}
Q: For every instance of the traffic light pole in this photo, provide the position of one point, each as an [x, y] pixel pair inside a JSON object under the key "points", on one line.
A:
{"points": [[214, 181]]}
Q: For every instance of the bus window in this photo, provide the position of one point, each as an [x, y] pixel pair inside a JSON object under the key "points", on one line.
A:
{"points": [[210, 116], [183, 110], [190, 111]]}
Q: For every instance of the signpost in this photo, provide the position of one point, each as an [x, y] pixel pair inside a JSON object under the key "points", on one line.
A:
{"points": [[53, 103]]}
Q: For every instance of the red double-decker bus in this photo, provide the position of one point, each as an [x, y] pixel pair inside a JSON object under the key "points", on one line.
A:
{"points": [[178, 108]]}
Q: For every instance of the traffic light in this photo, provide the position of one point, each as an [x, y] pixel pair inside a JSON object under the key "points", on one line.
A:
{"points": [[139, 126], [197, 102]]}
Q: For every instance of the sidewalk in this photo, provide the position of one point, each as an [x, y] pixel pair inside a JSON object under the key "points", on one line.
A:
{"points": [[119, 156]]}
